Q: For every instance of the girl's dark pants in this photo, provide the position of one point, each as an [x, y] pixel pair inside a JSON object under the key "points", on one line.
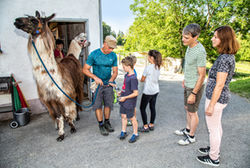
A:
{"points": [[151, 99]]}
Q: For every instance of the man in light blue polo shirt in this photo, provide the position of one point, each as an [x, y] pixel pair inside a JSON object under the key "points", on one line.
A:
{"points": [[194, 75], [105, 71]]}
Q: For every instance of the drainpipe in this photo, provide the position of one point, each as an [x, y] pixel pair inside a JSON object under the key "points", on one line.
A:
{"points": [[100, 20]]}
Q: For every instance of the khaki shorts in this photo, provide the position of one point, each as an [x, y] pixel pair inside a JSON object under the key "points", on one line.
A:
{"points": [[192, 107], [105, 96]]}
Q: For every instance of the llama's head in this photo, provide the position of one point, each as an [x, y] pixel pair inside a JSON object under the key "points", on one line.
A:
{"points": [[82, 40], [33, 25]]}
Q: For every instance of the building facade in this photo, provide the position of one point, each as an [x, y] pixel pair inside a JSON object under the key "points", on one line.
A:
{"points": [[15, 60]]}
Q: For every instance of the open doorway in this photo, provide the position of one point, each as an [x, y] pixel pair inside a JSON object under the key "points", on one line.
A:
{"points": [[66, 31]]}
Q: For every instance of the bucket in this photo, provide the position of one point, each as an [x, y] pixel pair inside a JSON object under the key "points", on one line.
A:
{"points": [[22, 116]]}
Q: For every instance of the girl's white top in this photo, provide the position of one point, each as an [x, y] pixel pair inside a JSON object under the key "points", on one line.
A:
{"points": [[152, 75]]}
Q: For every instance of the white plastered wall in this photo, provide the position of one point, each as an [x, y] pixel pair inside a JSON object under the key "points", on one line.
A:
{"points": [[13, 42]]}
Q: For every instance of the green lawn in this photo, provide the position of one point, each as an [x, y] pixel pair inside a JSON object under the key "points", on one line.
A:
{"points": [[241, 87], [242, 84], [243, 67]]}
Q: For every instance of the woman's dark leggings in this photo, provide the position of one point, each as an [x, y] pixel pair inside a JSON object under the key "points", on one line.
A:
{"points": [[151, 99]]}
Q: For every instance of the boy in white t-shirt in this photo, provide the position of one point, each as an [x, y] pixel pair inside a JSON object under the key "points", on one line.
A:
{"points": [[151, 89]]}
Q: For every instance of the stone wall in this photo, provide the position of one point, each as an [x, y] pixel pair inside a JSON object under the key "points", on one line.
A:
{"points": [[173, 65]]}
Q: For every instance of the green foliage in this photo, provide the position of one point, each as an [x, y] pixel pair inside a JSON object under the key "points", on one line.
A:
{"points": [[243, 67], [113, 33], [159, 24], [242, 75], [241, 87], [242, 70], [107, 30], [244, 51], [120, 38]]}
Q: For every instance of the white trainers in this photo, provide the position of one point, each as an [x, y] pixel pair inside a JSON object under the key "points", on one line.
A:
{"points": [[181, 132], [187, 140]]}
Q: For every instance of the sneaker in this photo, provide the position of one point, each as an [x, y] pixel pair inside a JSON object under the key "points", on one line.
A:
{"points": [[103, 130], [204, 151], [129, 123], [181, 132], [143, 129], [187, 140], [108, 126], [208, 161], [123, 135], [133, 138], [152, 128]]}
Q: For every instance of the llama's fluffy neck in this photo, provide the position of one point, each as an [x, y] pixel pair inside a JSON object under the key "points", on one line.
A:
{"points": [[74, 48], [47, 55]]}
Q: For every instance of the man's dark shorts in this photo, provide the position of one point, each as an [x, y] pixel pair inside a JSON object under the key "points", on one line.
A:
{"points": [[193, 107], [105, 95], [129, 112]]}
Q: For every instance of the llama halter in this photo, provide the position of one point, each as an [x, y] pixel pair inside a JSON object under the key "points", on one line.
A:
{"points": [[39, 28]]}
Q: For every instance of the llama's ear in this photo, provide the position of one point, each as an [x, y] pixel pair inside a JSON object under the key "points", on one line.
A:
{"points": [[37, 15], [50, 17]]}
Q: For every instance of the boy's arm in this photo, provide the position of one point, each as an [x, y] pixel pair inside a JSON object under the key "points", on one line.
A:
{"points": [[132, 95]]}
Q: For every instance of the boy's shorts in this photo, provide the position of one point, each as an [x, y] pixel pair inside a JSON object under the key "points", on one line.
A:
{"points": [[104, 95], [128, 112], [192, 107]]}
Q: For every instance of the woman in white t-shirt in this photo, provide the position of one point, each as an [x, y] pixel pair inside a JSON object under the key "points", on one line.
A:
{"points": [[151, 89]]}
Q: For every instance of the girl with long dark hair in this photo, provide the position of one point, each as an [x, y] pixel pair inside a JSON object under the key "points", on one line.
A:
{"points": [[151, 89]]}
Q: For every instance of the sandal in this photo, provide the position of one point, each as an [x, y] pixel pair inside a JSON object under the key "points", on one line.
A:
{"points": [[151, 128], [143, 129]]}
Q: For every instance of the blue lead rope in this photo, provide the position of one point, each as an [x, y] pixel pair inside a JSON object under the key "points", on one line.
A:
{"points": [[57, 84]]}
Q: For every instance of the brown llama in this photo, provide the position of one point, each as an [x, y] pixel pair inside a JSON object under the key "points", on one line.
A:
{"points": [[76, 45], [67, 73], [75, 48]]}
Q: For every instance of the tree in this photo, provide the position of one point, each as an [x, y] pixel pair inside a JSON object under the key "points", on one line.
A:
{"points": [[120, 38], [107, 30], [159, 23], [244, 51]]}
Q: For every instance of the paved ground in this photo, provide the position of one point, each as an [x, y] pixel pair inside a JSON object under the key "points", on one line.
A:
{"points": [[34, 145]]}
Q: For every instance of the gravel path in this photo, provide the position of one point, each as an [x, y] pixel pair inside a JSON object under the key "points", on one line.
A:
{"points": [[34, 145]]}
